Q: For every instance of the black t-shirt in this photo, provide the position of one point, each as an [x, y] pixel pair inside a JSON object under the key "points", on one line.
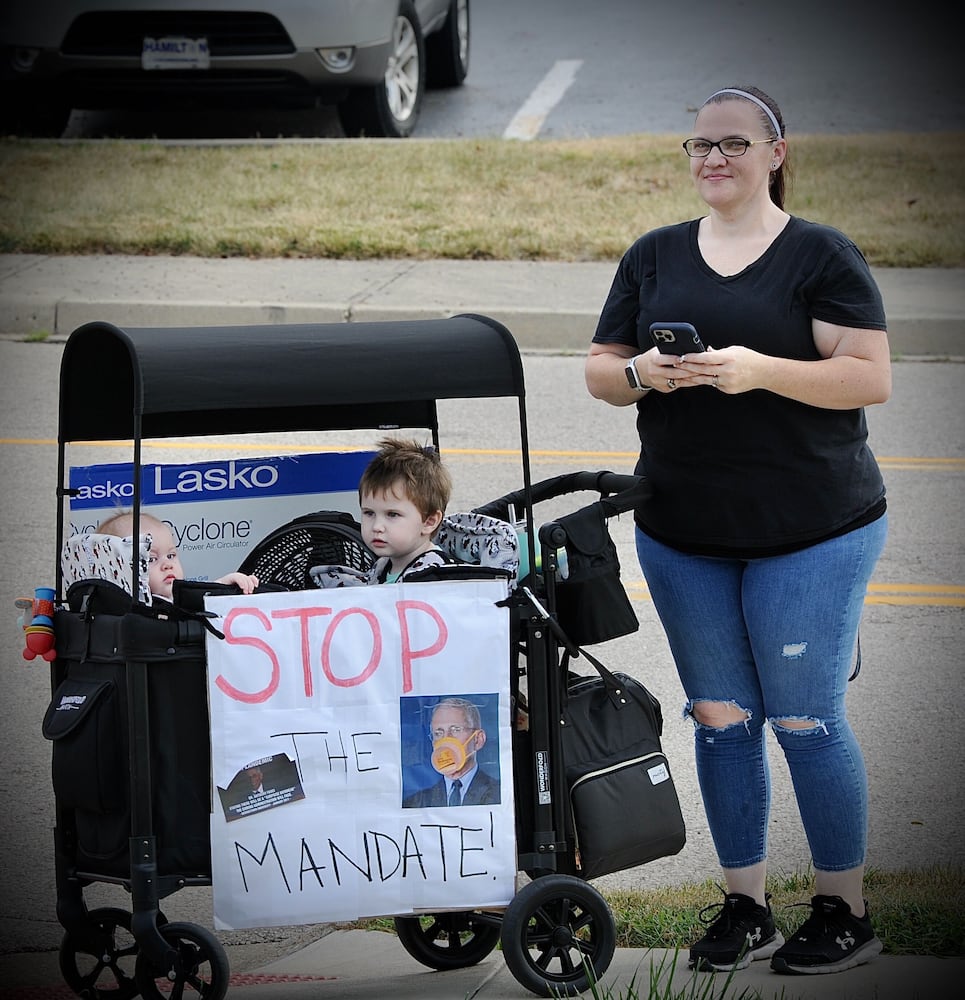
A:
{"points": [[752, 473]]}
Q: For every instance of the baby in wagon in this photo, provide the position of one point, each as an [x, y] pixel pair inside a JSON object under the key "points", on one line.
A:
{"points": [[164, 560], [403, 494]]}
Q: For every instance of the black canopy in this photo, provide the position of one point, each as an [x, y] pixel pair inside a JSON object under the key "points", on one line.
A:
{"points": [[119, 385], [152, 383]]}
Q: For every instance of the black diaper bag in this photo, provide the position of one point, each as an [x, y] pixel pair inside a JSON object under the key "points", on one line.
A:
{"points": [[623, 805]]}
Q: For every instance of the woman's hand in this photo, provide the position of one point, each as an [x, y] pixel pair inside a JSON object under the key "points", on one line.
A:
{"points": [[731, 369], [854, 370], [606, 378], [666, 372]]}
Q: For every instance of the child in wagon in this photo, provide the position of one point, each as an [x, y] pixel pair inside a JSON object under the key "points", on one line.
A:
{"points": [[403, 494]]}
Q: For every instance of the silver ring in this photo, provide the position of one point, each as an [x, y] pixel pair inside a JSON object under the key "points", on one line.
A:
{"points": [[671, 384], [717, 382]]}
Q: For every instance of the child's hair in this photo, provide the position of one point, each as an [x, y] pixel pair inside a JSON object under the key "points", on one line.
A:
{"points": [[122, 523], [425, 481]]}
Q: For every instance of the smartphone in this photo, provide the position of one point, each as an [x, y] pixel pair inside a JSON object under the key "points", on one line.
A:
{"points": [[676, 338]]}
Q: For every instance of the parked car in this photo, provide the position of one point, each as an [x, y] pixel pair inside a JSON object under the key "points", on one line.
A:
{"points": [[372, 58]]}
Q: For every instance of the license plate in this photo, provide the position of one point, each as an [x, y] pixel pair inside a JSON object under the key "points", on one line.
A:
{"points": [[175, 52]]}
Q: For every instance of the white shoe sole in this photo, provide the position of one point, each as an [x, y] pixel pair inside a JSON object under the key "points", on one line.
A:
{"points": [[866, 953], [704, 964]]}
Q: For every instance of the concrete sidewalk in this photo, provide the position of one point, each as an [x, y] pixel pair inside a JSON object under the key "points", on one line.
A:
{"points": [[372, 965], [546, 306], [367, 965]]}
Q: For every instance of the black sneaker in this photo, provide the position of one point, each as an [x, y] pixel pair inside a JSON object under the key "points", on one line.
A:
{"points": [[742, 932], [832, 939]]}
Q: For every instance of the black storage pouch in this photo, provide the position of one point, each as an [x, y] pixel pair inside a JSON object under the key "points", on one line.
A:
{"points": [[89, 766], [83, 721], [591, 603]]}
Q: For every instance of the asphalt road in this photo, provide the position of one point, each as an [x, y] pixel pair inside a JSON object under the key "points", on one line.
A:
{"points": [[905, 705], [634, 66]]}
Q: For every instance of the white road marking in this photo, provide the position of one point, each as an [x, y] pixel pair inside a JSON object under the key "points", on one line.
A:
{"points": [[547, 94]]}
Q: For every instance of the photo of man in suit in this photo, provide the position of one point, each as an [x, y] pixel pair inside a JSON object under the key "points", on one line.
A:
{"points": [[265, 783], [457, 736]]}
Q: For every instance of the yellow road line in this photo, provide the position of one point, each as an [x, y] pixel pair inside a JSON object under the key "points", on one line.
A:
{"points": [[900, 462], [198, 445], [886, 461], [920, 602], [920, 594], [938, 595]]}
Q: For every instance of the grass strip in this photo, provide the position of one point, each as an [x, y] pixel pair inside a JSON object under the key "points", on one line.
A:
{"points": [[918, 912], [900, 197], [915, 912]]}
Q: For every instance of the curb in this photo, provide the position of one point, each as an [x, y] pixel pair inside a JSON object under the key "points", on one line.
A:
{"points": [[547, 306]]}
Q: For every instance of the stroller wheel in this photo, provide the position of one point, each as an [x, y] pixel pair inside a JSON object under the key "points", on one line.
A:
{"points": [[558, 936], [200, 966], [107, 974], [448, 940]]}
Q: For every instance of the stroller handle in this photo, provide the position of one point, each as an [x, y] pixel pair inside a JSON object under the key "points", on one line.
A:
{"points": [[627, 490], [619, 493]]}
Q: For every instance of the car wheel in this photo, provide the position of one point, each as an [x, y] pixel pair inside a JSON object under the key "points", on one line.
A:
{"points": [[391, 108], [447, 50]]}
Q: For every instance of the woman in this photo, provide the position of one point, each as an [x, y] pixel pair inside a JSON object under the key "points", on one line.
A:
{"points": [[767, 515]]}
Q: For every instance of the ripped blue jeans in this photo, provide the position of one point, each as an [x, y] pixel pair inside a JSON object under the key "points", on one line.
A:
{"points": [[774, 637]]}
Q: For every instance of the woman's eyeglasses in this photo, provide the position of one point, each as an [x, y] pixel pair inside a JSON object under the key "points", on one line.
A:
{"points": [[731, 146]]}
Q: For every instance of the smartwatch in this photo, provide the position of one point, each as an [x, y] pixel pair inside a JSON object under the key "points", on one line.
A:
{"points": [[633, 378]]}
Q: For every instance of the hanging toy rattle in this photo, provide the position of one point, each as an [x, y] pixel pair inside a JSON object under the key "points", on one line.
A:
{"points": [[39, 631]]}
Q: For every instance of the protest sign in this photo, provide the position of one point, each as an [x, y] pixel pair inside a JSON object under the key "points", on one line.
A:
{"points": [[218, 511], [333, 760]]}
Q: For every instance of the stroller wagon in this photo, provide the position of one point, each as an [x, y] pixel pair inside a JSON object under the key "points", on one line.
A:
{"points": [[131, 766]]}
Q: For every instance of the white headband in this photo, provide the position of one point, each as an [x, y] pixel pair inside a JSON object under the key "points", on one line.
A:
{"points": [[750, 97]]}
